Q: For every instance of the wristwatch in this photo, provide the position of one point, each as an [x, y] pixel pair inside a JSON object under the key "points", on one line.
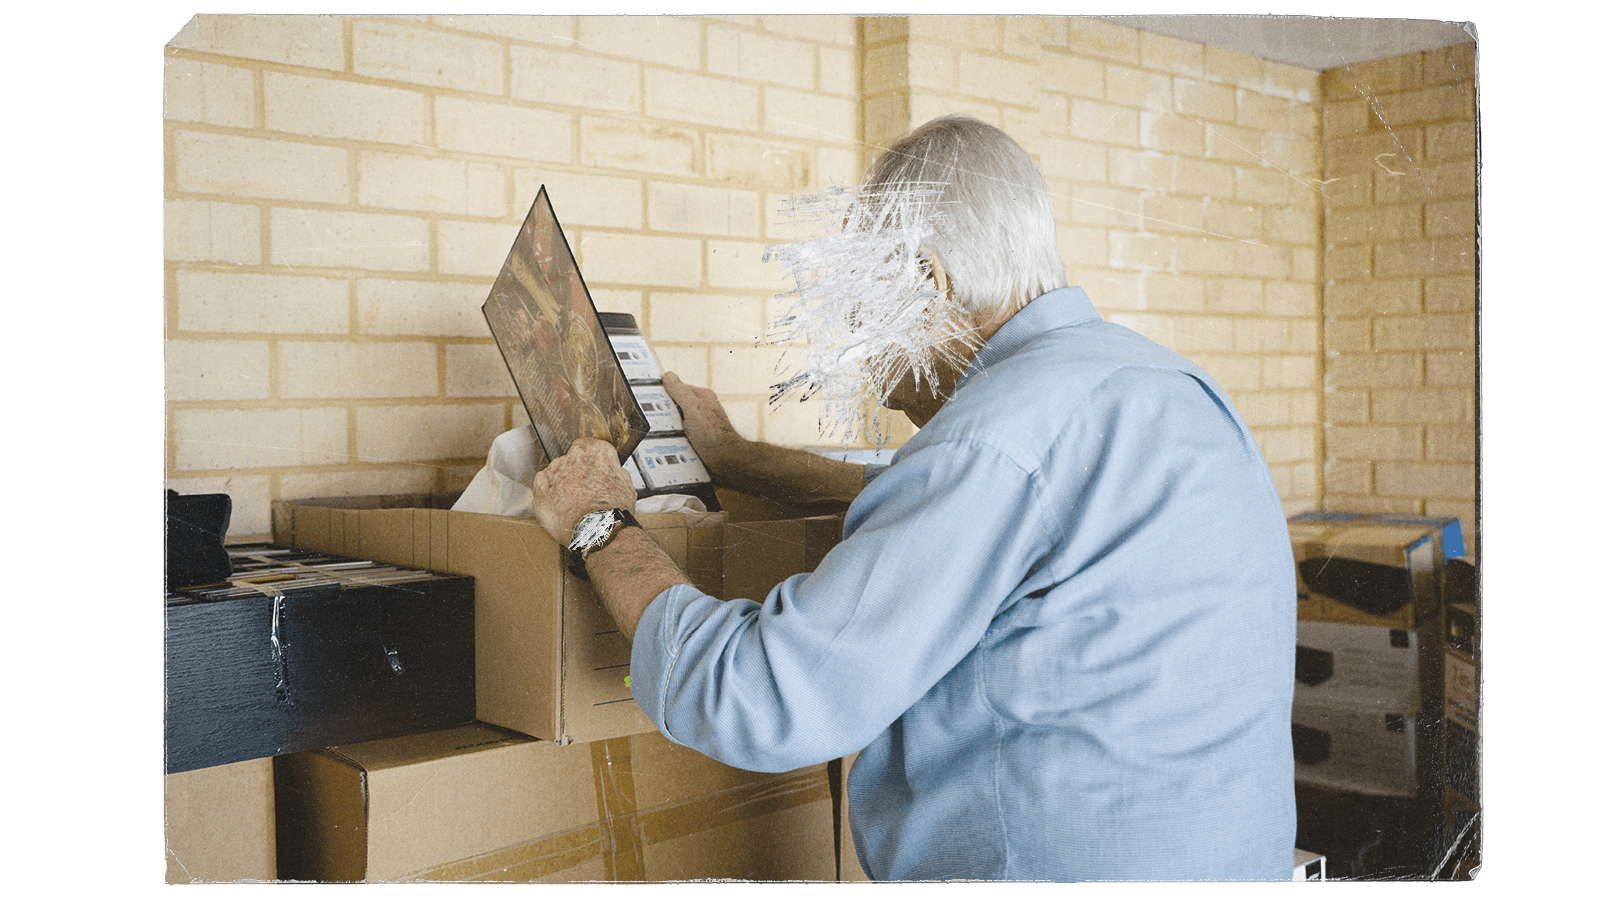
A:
{"points": [[596, 530]]}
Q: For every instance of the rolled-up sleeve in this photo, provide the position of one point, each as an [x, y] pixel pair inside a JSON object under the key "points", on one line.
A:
{"points": [[932, 549]]}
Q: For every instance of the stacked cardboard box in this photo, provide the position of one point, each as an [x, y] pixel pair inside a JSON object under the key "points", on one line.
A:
{"points": [[1368, 694], [220, 824], [480, 803], [563, 778]]}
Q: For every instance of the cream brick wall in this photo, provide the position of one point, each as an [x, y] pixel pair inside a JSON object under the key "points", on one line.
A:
{"points": [[340, 192], [1399, 303]]}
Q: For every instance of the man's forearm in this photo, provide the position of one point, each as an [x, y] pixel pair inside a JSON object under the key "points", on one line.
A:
{"points": [[788, 475], [628, 573]]}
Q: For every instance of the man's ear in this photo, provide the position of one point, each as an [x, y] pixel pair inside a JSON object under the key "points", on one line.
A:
{"points": [[941, 278]]}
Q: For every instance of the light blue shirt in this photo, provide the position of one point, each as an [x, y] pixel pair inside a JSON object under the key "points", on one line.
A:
{"points": [[1061, 623]]}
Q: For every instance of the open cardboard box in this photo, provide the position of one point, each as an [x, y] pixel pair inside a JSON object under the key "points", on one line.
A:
{"points": [[551, 663], [479, 803]]}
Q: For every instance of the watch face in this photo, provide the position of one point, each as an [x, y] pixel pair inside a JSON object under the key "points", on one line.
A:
{"points": [[592, 529]]}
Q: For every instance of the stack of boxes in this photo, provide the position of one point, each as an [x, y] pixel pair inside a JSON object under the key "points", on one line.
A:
{"points": [[1368, 722], [560, 777]]}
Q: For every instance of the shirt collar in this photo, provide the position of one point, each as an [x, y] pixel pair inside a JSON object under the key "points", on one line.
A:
{"points": [[1060, 308]]}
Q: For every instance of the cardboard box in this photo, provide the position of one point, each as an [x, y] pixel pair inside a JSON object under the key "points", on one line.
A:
{"points": [[1370, 570], [1363, 749], [480, 803], [220, 824], [1363, 665], [551, 663]]}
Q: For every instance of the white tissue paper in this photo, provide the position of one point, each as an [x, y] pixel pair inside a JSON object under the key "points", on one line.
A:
{"points": [[503, 487]]}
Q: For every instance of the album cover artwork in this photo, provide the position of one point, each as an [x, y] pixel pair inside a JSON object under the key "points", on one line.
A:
{"points": [[544, 321]]}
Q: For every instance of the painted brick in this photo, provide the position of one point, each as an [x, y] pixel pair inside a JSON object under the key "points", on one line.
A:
{"points": [[1140, 168], [326, 107], [1375, 370], [1088, 246], [1353, 189], [1092, 204], [1380, 76], [1295, 155], [659, 39], [1397, 296], [415, 433], [1426, 257], [1450, 294], [1112, 289], [1234, 219], [314, 41], [1075, 160], [1261, 336], [812, 116], [1450, 481], [1161, 211], [838, 70], [796, 424], [1234, 68], [1451, 443], [501, 129], [1456, 178], [1172, 134], [1262, 409], [1140, 251], [1386, 150], [638, 146], [1203, 178], [1235, 371], [1104, 40], [1203, 255], [311, 237], [398, 52], [1289, 371], [688, 362], [476, 370], [1451, 64], [1374, 442], [1345, 477], [1289, 226], [702, 100], [755, 161], [1104, 123], [630, 302], [957, 31], [1432, 406], [836, 166], [1022, 35], [217, 370], [250, 167], [1307, 264], [1350, 262], [760, 57], [998, 77], [1212, 102], [1305, 120], [1371, 224], [738, 264], [888, 115], [1288, 298], [342, 369], [1075, 76], [429, 184], [1451, 218], [1201, 334], [541, 29], [1170, 54], [200, 231], [1230, 142], [611, 258], [1345, 406], [250, 499], [1450, 140], [1263, 113], [1348, 335], [1293, 82], [704, 210], [1235, 295], [705, 318], [1262, 260], [1306, 334], [1451, 368], [1280, 445], [1432, 104], [477, 249], [598, 200], [750, 370], [430, 308], [878, 29], [258, 438], [1140, 88], [832, 29], [244, 303], [574, 78], [927, 105], [1175, 293], [207, 92]]}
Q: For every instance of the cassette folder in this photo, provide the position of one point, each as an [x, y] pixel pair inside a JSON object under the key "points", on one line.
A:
{"points": [[300, 650]]}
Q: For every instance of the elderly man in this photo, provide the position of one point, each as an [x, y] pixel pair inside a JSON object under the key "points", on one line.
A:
{"points": [[1060, 625]]}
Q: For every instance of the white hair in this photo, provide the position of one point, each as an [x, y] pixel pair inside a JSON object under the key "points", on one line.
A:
{"points": [[997, 240]]}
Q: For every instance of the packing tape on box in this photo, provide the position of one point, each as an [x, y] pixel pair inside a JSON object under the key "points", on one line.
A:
{"points": [[623, 831]]}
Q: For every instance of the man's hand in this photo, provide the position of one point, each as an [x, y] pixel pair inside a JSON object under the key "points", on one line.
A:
{"points": [[588, 478], [706, 424]]}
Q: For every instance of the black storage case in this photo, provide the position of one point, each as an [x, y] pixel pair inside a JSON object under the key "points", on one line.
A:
{"points": [[351, 662]]}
